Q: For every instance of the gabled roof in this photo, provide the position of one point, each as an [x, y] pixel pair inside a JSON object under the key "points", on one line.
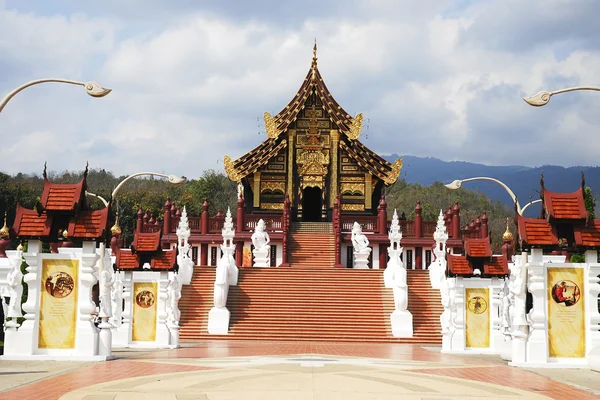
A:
{"points": [[590, 234], [89, 224], [164, 260], [127, 260], [253, 160], [459, 265], [536, 232], [376, 165], [564, 205], [478, 247], [462, 266], [146, 241], [28, 224]]}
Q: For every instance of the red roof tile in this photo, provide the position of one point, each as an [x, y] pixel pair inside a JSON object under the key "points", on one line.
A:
{"points": [[536, 232], [164, 260], [459, 265], [127, 260], [146, 241], [89, 224], [565, 205], [590, 234], [29, 224], [498, 265], [62, 197], [478, 247]]}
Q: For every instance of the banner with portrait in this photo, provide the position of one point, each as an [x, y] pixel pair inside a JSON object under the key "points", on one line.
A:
{"points": [[143, 325], [58, 304], [477, 304], [566, 312]]}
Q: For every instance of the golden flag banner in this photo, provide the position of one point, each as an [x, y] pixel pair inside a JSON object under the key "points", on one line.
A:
{"points": [[143, 326], [58, 304], [566, 312], [477, 303]]}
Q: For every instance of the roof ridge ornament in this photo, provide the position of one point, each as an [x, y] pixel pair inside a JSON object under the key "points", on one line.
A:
{"points": [[393, 175], [271, 126], [355, 127]]}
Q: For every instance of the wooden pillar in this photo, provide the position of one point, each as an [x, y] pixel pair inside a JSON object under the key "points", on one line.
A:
{"points": [[204, 218], [383, 255], [140, 221], [382, 215], [337, 230], [285, 225], [239, 253], [333, 182], [418, 221], [167, 217], [239, 223], [484, 226], [418, 258], [456, 221], [448, 220]]}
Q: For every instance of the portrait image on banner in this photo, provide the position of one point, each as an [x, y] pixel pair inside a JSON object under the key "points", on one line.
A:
{"points": [[566, 313], [477, 317], [58, 304], [143, 326]]}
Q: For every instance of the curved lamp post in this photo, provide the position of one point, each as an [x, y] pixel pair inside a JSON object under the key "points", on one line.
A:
{"points": [[458, 183], [91, 88], [543, 97]]}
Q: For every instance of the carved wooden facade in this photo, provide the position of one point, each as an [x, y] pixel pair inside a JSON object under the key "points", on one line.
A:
{"points": [[313, 154]]}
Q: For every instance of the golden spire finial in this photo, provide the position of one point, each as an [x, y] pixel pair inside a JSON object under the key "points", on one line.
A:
{"points": [[65, 234], [116, 229], [20, 247], [4, 231], [508, 234], [314, 61]]}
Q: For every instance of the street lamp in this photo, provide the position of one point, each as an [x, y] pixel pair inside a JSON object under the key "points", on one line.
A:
{"points": [[91, 88], [543, 97], [458, 183]]}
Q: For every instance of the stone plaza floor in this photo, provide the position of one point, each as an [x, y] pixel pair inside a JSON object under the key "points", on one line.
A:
{"points": [[219, 370]]}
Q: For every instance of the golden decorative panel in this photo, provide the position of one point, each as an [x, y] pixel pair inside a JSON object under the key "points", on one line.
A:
{"points": [[312, 180], [349, 167], [273, 186], [308, 113], [353, 188], [255, 189], [346, 178], [272, 206], [368, 191], [353, 207]]}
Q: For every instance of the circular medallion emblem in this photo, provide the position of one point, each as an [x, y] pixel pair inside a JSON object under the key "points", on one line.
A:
{"points": [[477, 305], [145, 299], [59, 284], [566, 292]]}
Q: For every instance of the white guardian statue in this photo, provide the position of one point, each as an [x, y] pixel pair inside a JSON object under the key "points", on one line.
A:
{"points": [[361, 247], [260, 241]]}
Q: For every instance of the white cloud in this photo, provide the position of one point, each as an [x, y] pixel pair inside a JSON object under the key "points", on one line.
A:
{"points": [[435, 79]]}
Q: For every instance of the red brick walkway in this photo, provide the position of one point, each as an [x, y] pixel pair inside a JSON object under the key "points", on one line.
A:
{"points": [[469, 368]]}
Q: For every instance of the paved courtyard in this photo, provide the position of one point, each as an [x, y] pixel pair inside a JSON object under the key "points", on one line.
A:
{"points": [[219, 370]]}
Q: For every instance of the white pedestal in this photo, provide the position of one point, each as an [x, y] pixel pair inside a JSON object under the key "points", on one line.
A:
{"points": [[174, 336], [446, 342], [232, 278], [105, 339], [261, 257], [402, 324], [218, 321], [506, 350], [361, 258]]}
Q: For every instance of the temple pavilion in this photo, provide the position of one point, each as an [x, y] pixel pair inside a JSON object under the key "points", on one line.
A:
{"points": [[312, 154]]}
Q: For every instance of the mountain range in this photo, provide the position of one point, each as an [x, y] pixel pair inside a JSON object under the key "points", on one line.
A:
{"points": [[524, 181]]}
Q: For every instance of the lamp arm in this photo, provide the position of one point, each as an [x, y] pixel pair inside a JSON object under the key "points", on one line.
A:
{"points": [[508, 190], [26, 85]]}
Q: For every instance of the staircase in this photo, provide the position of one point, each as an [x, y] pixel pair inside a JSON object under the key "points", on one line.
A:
{"points": [[313, 304], [312, 244]]}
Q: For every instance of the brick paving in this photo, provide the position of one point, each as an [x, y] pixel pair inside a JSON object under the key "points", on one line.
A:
{"points": [[139, 364]]}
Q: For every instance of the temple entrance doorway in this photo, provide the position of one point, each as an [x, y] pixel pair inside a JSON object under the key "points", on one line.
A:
{"points": [[311, 204]]}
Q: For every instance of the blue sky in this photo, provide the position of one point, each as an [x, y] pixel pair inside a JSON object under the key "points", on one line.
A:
{"points": [[433, 79]]}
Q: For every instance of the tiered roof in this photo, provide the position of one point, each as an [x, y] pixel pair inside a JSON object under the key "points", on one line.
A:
{"points": [[564, 222], [62, 207], [348, 125], [146, 249], [478, 255]]}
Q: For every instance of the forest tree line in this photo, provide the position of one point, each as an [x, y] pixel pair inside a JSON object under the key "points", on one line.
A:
{"points": [[150, 195]]}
